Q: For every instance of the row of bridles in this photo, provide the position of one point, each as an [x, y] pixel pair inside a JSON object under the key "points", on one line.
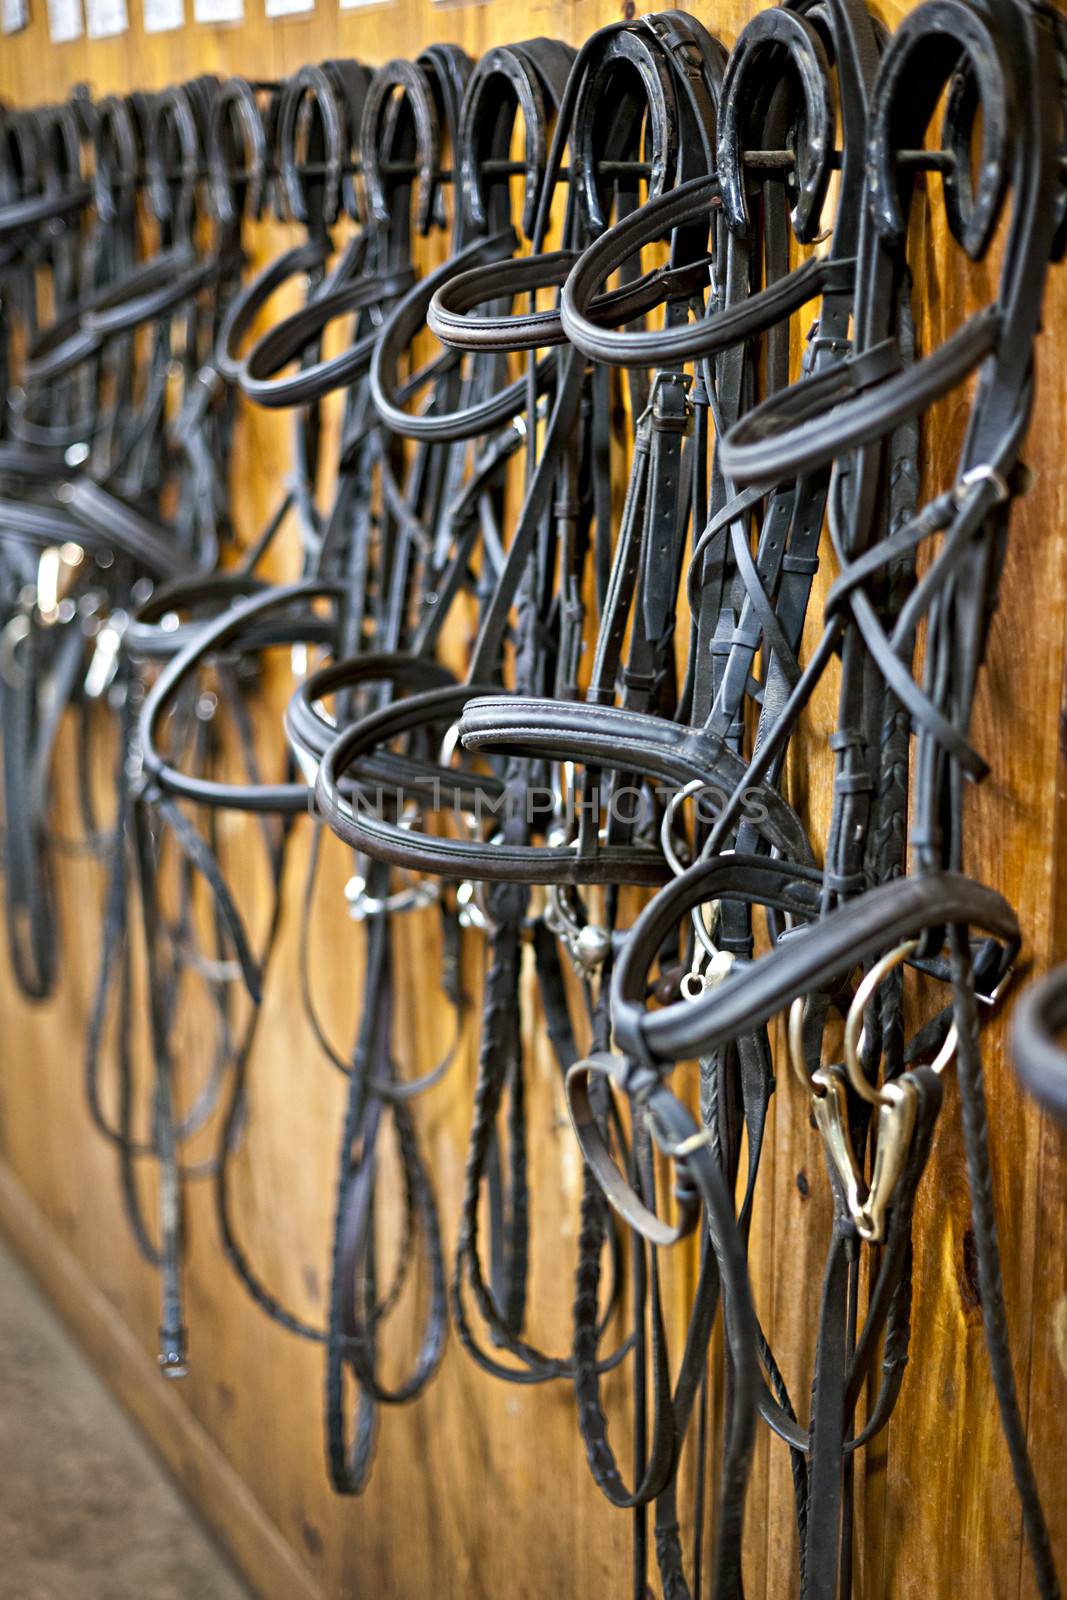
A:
{"points": [[484, 483]]}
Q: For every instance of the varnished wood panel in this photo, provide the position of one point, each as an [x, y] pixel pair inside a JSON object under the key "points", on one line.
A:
{"points": [[480, 1490]]}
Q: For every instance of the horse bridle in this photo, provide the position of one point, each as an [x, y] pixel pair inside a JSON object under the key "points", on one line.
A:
{"points": [[657, 648]]}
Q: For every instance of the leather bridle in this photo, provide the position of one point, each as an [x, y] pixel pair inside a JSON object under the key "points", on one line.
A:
{"points": [[611, 478]]}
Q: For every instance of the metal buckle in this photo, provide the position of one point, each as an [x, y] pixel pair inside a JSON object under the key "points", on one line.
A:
{"points": [[868, 1205], [668, 421], [105, 658], [55, 577], [817, 341], [983, 473], [993, 997]]}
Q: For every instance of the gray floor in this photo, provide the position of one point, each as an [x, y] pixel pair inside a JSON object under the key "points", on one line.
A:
{"points": [[86, 1510]]}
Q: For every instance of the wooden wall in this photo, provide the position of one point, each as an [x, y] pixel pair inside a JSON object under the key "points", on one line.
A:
{"points": [[481, 1490]]}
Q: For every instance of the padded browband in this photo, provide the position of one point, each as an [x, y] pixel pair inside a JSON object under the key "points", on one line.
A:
{"points": [[145, 295], [115, 521], [94, 519], [399, 777], [453, 858], [312, 731], [448, 312], [852, 403], [751, 316], [612, 44], [248, 302], [290, 337], [629, 741], [401, 328], [283, 798], [806, 961], [18, 215], [247, 627], [583, 311]]}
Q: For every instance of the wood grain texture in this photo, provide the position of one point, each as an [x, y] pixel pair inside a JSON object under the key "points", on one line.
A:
{"points": [[480, 1490], [273, 1567]]}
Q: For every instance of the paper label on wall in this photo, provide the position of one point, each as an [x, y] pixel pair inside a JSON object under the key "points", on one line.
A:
{"points": [[64, 21], [357, 5], [218, 10], [288, 8], [160, 16], [15, 15], [106, 18]]}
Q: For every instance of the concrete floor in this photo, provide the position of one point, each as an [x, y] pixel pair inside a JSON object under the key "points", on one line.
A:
{"points": [[86, 1510]]}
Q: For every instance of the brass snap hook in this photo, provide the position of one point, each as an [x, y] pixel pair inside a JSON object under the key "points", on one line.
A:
{"points": [[868, 1205], [853, 1042]]}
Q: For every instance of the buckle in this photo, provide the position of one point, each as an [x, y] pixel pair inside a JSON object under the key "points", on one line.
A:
{"points": [[817, 341], [55, 578], [676, 416], [104, 662], [993, 997], [983, 473]]}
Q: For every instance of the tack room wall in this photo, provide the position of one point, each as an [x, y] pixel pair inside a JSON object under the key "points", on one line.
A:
{"points": [[479, 1490]]}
